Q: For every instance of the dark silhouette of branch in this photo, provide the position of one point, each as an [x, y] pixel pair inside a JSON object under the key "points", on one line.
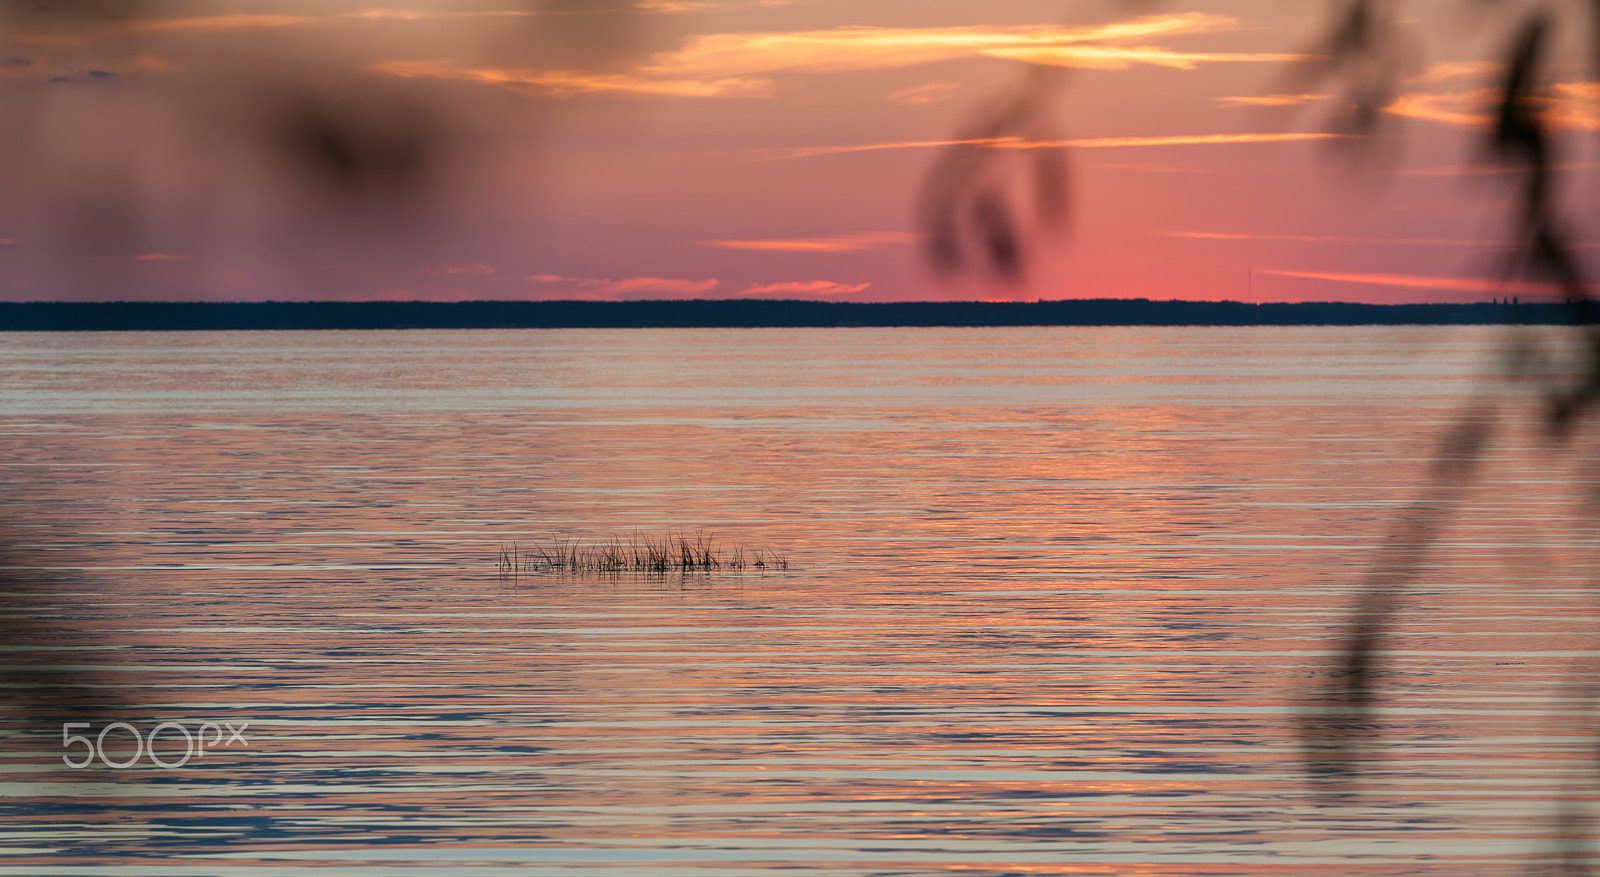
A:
{"points": [[1363, 54], [1000, 187], [351, 158]]}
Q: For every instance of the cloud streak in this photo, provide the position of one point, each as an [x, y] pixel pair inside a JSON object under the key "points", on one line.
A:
{"points": [[678, 7], [807, 287], [561, 83], [740, 64], [923, 95], [846, 243], [1332, 239], [1268, 100], [1467, 109], [1443, 71], [1023, 143], [1416, 281], [1123, 57], [605, 286], [257, 21], [468, 269], [1178, 140], [218, 23], [402, 14], [880, 48], [1569, 106]]}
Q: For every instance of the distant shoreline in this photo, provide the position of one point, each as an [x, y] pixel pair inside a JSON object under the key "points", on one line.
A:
{"points": [[749, 313]]}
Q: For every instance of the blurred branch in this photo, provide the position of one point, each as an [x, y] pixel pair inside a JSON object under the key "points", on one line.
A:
{"points": [[982, 209]]}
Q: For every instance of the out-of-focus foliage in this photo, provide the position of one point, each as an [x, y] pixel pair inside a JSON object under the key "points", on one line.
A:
{"points": [[1363, 53], [119, 134], [267, 135], [970, 202]]}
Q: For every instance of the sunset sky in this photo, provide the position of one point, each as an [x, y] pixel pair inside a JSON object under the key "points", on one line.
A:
{"points": [[743, 148]]}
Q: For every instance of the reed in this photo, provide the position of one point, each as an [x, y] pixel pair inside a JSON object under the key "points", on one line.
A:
{"points": [[673, 553]]}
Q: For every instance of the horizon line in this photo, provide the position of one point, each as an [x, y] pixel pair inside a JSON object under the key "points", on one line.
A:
{"points": [[1534, 299]]}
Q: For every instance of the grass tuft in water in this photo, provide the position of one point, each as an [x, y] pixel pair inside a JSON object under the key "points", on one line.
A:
{"points": [[674, 553]]}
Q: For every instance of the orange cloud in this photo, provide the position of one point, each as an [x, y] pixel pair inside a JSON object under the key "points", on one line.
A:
{"points": [[1023, 143], [1465, 108], [923, 95], [1121, 58], [810, 287], [243, 21], [1570, 106], [679, 6], [1469, 170], [673, 6], [845, 243], [1268, 100], [734, 64], [1175, 140], [402, 14], [1574, 106], [627, 286], [879, 48], [1414, 281], [809, 151], [1446, 70], [561, 83], [218, 22], [656, 284], [1314, 238]]}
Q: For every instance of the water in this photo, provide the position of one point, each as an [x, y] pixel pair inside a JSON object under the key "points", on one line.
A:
{"points": [[1057, 594]]}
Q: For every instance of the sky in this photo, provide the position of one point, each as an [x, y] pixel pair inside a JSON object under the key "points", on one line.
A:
{"points": [[818, 149]]}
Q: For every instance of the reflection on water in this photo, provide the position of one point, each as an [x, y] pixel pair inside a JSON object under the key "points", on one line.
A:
{"points": [[1058, 593]]}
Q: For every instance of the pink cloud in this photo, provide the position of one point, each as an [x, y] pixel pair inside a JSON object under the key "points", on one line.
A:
{"points": [[1446, 70], [1268, 100], [1334, 239], [657, 284], [470, 269], [218, 23], [808, 287], [160, 257], [844, 243], [923, 95], [737, 63], [1415, 281], [605, 286], [1024, 143]]}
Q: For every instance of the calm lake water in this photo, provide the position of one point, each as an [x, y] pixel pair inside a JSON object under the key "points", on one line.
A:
{"points": [[1057, 596]]}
